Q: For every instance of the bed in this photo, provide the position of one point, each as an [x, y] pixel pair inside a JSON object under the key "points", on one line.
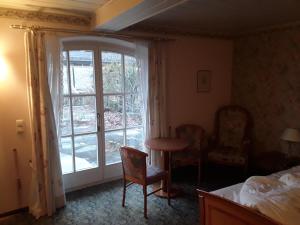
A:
{"points": [[229, 206]]}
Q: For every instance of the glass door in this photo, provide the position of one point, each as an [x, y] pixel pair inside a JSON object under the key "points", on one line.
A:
{"points": [[102, 111], [122, 108], [80, 123]]}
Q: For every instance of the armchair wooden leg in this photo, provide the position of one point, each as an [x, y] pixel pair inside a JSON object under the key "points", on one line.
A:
{"points": [[145, 201], [124, 193]]}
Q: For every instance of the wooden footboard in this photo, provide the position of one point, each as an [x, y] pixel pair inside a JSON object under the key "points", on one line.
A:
{"points": [[215, 210]]}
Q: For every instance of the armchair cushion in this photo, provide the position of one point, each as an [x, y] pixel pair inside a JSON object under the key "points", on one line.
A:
{"points": [[232, 127], [186, 157], [227, 155], [232, 137]]}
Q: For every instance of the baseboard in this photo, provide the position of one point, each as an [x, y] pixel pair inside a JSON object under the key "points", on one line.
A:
{"points": [[93, 184], [9, 213]]}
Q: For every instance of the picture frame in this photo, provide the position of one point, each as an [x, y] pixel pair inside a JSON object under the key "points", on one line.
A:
{"points": [[203, 81]]}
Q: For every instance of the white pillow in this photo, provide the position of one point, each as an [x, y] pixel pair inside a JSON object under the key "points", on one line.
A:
{"points": [[291, 179]]}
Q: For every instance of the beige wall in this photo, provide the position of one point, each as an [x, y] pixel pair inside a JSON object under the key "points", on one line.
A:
{"points": [[187, 56], [13, 106]]}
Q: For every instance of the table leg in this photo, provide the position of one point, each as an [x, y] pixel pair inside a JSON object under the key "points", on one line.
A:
{"points": [[167, 167]]}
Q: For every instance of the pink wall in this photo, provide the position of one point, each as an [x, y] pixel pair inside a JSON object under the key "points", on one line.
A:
{"points": [[185, 57]]}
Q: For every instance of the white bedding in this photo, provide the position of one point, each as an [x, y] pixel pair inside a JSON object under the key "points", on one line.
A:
{"points": [[232, 192], [276, 195]]}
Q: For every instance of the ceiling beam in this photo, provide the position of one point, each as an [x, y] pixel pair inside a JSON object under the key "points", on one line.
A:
{"points": [[119, 14]]}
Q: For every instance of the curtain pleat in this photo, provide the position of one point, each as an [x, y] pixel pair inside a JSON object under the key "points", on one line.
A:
{"points": [[46, 190], [157, 95]]}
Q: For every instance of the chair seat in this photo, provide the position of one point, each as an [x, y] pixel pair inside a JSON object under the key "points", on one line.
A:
{"points": [[184, 158], [227, 155], [154, 174]]}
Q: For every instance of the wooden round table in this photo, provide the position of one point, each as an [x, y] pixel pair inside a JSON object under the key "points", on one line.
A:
{"points": [[167, 146]]}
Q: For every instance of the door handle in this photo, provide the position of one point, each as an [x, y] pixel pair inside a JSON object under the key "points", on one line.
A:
{"points": [[98, 122]]}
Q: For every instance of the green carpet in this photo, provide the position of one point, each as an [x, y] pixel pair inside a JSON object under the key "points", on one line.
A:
{"points": [[101, 204]]}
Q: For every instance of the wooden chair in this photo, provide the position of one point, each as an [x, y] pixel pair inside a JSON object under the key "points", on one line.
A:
{"points": [[231, 142], [135, 170], [193, 155]]}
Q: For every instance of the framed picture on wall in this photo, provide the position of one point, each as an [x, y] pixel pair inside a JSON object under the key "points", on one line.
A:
{"points": [[203, 80]]}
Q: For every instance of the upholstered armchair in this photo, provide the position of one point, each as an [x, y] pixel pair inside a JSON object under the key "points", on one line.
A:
{"points": [[231, 142], [193, 154]]}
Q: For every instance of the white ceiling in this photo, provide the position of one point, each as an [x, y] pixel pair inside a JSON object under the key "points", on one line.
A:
{"points": [[77, 7], [224, 16]]}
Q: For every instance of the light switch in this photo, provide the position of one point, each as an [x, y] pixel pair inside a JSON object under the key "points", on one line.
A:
{"points": [[20, 126]]}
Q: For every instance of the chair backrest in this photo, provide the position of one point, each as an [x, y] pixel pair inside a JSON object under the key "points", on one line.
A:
{"points": [[193, 133], [134, 164], [233, 125]]}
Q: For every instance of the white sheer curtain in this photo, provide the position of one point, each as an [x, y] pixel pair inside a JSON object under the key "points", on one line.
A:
{"points": [[54, 57], [142, 57], [151, 58], [46, 191]]}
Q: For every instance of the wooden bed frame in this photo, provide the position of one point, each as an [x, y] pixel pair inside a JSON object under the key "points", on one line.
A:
{"points": [[215, 210]]}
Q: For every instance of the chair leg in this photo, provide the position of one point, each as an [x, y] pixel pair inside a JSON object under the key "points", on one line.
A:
{"points": [[168, 190], [199, 172], [124, 193], [145, 201]]}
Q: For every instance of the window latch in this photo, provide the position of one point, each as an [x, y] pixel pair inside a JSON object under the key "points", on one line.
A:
{"points": [[98, 122]]}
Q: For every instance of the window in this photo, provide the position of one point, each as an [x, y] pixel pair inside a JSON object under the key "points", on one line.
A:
{"points": [[102, 107], [122, 104], [79, 148]]}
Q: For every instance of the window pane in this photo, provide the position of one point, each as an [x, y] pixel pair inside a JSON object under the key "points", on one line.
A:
{"points": [[112, 72], [113, 112], [66, 155], [86, 151], [66, 118], [82, 72], [65, 74], [113, 141], [133, 110], [135, 138], [131, 75], [84, 114]]}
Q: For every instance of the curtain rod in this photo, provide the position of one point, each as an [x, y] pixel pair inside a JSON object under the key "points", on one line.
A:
{"points": [[93, 33]]}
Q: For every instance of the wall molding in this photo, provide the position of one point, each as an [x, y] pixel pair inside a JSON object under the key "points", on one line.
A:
{"points": [[12, 212], [45, 17], [162, 30], [175, 32]]}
